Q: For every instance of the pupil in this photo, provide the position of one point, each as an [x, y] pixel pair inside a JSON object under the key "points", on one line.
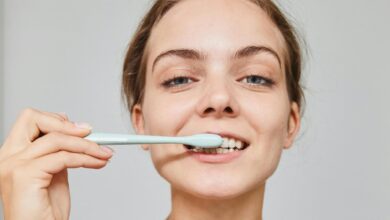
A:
{"points": [[253, 79], [180, 80]]}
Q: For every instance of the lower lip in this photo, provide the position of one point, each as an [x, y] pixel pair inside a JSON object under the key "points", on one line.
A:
{"points": [[215, 158]]}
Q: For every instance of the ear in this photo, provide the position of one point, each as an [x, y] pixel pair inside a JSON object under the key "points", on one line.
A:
{"points": [[137, 121], [294, 123]]}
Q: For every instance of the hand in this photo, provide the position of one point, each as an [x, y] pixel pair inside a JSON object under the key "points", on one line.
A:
{"points": [[33, 164]]}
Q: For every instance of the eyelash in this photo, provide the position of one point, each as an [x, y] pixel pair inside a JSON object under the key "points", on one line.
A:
{"points": [[268, 82], [167, 83]]}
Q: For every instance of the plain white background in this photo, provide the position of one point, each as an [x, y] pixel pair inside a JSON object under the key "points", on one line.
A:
{"points": [[66, 56]]}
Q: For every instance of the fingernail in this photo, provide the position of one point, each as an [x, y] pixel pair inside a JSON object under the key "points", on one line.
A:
{"points": [[107, 149], [83, 125]]}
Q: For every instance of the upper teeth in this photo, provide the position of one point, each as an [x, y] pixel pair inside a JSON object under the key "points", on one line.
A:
{"points": [[231, 143]]}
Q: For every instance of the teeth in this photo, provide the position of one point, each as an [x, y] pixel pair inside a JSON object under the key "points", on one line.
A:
{"points": [[224, 151], [232, 143], [239, 144], [225, 143], [228, 145], [214, 150]]}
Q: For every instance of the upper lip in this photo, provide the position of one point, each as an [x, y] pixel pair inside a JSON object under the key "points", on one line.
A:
{"points": [[228, 134]]}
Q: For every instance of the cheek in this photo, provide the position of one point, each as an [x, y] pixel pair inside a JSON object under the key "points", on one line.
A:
{"points": [[165, 113], [269, 115], [269, 118]]}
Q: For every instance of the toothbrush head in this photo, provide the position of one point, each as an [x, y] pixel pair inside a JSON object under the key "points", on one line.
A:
{"points": [[205, 140]]}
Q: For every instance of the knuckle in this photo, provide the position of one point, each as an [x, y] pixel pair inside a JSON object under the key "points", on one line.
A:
{"points": [[63, 155], [55, 136], [28, 112], [62, 117], [55, 139], [55, 117], [62, 124]]}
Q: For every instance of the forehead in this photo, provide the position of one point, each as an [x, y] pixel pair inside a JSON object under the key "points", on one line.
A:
{"points": [[217, 27]]}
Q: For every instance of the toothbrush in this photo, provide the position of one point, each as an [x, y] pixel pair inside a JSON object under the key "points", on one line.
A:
{"points": [[198, 140]]}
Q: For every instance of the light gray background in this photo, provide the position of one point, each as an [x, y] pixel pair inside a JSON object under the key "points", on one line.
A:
{"points": [[1, 68], [1, 75], [66, 56]]}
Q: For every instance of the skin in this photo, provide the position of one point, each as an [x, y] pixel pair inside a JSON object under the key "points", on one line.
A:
{"points": [[33, 164], [216, 94]]}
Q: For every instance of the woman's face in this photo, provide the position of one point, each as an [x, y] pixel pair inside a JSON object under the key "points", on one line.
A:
{"points": [[222, 88]]}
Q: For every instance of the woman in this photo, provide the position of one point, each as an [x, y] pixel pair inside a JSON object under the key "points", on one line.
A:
{"points": [[230, 67]]}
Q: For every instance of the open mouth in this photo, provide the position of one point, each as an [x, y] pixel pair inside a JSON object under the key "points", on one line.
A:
{"points": [[230, 144]]}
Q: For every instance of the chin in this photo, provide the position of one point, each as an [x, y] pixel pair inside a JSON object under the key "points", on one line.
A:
{"points": [[216, 190]]}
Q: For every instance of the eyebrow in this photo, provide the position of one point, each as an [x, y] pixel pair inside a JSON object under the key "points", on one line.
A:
{"points": [[197, 55]]}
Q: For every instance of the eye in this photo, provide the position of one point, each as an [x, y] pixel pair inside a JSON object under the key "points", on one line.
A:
{"points": [[256, 80], [176, 81]]}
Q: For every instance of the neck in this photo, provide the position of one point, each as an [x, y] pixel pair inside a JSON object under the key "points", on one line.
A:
{"points": [[247, 206]]}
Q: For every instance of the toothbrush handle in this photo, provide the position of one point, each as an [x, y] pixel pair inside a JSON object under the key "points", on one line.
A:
{"points": [[121, 139]]}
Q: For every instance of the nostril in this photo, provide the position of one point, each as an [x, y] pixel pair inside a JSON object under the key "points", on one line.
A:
{"points": [[208, 110], [228, 109]]}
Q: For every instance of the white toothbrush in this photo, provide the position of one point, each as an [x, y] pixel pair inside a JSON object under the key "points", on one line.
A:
{"points": [[198, 140]]}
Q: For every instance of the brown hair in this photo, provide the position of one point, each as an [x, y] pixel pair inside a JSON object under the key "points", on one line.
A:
{"points": [[134, 68]]}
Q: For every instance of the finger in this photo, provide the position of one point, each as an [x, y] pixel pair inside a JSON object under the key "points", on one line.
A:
{"points": [[63, 115], [55, 163], [54, 142], [31, 123], [60, 115]]}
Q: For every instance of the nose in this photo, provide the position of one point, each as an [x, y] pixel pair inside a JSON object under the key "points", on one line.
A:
{"points": [[218, 101]]}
